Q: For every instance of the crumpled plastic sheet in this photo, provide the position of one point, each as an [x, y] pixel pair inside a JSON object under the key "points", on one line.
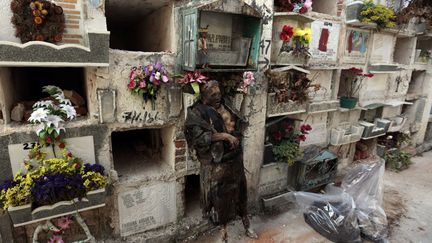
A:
{"points": [[331, 214], [364, 182], [350, 212]]}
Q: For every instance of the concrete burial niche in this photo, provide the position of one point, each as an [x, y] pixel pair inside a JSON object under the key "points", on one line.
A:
{"points": [[404, 52], [423, 49], [416, 85], [383, 46], [328, 7], [192, 196], [286, 58], [146, 153], [374, 90], [399, 83], [140, 25], [21, 87], [325, 41], [356, 45]]}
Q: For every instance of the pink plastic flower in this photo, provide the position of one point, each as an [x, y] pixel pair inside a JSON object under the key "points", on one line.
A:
{"points": [[308, 4], [142, 84], [63, 222], [56, 239]]}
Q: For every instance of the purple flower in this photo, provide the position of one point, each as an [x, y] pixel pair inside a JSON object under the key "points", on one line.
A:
{"points": [[94, 167], [158, 66]]}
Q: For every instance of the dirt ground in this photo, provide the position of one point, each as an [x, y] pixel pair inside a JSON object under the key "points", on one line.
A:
{"points": [[408, 205]]}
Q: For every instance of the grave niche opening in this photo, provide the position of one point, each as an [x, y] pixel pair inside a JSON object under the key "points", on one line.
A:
{"points": [[23, 87], [232, 40], [140, 25], [192, 196], [142, 153]]}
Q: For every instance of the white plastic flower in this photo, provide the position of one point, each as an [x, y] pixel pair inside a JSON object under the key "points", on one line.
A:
{"points": [[50, 88], [69, 110], [40, 128], [43, 103], [61, 99], [38, 115], [53, 120]]}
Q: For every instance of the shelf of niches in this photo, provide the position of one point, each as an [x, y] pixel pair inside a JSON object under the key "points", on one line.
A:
{"points": [[308, 17]]}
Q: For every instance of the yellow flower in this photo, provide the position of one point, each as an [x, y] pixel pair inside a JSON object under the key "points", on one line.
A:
{"points": [[298, 32], [307, 38], [308, 31]]}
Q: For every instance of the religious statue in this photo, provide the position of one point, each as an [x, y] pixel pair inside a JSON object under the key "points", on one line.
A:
{"points": [[202, 47], [214, 130]]}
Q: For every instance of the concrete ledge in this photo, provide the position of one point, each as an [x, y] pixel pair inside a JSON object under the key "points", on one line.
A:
{"points": [[45, 54]]}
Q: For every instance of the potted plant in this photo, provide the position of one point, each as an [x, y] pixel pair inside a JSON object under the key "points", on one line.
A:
{"points": [[353, 79], [286, 141], [379, 14]]}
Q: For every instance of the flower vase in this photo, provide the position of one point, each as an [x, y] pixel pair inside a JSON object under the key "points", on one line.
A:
{"points": [[348, 102]]}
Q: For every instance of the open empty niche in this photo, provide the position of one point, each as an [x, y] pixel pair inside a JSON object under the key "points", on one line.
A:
{"points": [[404, 50], [24, 88], [423, 51], [143, 153], [415, 88], [371, 114], [325, 6], [140, 25], [192, 196], [365, 149]]}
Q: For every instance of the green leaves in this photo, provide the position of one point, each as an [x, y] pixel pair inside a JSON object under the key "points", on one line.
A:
{"points": [[287, 151]]}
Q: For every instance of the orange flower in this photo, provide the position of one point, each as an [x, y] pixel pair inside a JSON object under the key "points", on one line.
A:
{"points": [[38, 20], [39, 38], [36, 13]]}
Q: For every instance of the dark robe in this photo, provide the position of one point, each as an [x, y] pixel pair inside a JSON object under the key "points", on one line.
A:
{"points": [[222, 178]]}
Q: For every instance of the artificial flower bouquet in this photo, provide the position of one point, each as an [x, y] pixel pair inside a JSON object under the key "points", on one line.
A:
{"points": [[286, 141], [192, 80], [295, 40], [147, 80]]}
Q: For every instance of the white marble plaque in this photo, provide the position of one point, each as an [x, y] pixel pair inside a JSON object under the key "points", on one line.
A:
{"points": [[273, 178], [325, 40], [82, 147], [146, 207]]}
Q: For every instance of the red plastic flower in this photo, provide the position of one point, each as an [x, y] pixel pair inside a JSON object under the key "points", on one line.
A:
{"points": [[303, 10], [356, 70], [132, 85], [301, 137], [277, 136], [290, 7], [288, 30], [284, 37], [62, 145], [49, 139], [77, 166], [58, 38], [369, 75]]}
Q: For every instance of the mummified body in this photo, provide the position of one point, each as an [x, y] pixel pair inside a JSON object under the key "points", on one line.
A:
{"points": [[209, 130]]}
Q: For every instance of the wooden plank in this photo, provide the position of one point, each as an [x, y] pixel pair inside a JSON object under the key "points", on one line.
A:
{"points": [[69, 6], [73, 17], [67, 1], [71, 12], [71, 41], [72, 36], [72, 21], [69, 26]]}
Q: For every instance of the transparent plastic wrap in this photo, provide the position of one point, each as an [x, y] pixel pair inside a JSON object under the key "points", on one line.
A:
{"points": [[364, 182], [331, 214]]}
